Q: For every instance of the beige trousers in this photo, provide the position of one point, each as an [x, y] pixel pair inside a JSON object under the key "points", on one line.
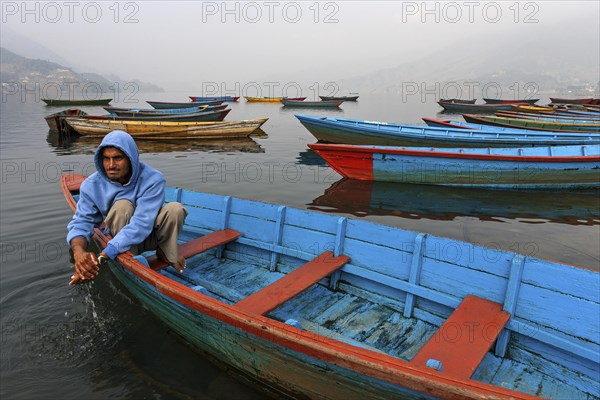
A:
{"points": [[163, 237]]}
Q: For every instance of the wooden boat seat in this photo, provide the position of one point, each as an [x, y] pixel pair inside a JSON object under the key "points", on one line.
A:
{"points": [[197, 246], [297, 281], [463, 340]]}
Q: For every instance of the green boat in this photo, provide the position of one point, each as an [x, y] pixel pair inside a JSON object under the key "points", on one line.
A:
{"points": [[588, 128], [80, 102]]}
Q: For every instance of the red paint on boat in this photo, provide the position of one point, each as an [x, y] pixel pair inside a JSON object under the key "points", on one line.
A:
{"points": [[346, 162]]}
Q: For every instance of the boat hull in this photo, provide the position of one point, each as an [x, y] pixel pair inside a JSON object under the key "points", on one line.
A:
{"points": [[312, 104], [162, 104], [93, 102], [263, 99], [346, 131], [501, 101], [475, 108], [229, 99], [529, 124], [153, 130], [56, 122], [558, 100], [199, 116], [343, 98], [532, 168]]}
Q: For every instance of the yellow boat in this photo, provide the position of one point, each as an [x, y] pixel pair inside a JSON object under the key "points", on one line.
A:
{"points": [[534, 109], [158, 130], [264, 99]]}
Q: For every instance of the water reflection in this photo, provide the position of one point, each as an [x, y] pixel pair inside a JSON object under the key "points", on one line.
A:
{"points": [[362, 198], [309, 157], [75, 144]]}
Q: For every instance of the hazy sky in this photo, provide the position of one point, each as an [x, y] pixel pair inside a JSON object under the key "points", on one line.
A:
{"points": [[179, 45]]}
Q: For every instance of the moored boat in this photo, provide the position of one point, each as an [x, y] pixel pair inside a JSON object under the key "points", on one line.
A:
{"points": [[560, 100], [351, 131], [132, 112], [590, 128], [295, 300], [557, 117], [343, 98], [304, 103], [459, 101], [195, 116], [169, 104], [160, 130], [507, 101], [560, 167], [56, 121], [475, 108], [76, 102], [263, 99], [229, 99]]}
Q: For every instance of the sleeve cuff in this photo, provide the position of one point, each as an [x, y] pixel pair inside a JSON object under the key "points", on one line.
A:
{"points": [[111, 251]]}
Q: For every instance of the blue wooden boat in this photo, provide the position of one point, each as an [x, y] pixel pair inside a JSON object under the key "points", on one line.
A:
{"points": [[475, 108], [229, 99], [558, 167], [304, 103], [351, 131], [196, 116], [165, 104], [311, 305], [132, 112]]}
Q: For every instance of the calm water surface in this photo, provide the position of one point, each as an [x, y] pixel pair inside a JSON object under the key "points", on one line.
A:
{"points": [[95, 341]]}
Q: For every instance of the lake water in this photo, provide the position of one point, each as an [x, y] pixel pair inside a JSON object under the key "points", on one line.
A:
{"points": [[95, 341]]}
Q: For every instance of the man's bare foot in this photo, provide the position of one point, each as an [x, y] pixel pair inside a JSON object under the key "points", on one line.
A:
{"points": [[179, 265]]}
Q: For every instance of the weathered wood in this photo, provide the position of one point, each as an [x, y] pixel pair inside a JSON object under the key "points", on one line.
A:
{"points": [[465, 338], [288, 286], [197, 246]]}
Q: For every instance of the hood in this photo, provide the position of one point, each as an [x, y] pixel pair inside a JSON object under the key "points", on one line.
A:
{"points": [[124, 142]]}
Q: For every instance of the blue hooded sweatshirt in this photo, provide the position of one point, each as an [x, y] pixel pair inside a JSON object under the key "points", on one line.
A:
{"points": [[145, 190]]}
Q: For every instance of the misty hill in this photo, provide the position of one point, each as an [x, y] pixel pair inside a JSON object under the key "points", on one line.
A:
{"points": [[49, 75], [566, 62]]}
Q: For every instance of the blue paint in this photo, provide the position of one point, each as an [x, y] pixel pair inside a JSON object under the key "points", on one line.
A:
{"points": [[510, 301], [278, 235], [415, 272], [340, 236]]}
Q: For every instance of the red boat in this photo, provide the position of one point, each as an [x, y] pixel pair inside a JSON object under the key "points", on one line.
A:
{"points": [[557, 100]]}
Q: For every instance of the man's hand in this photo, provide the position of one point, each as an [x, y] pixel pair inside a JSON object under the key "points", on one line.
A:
{"points": [[86, 263]]}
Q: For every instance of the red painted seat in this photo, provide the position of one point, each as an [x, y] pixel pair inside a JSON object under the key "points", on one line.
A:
{"points": [[465, 337], [197, 246], [290, 285]]}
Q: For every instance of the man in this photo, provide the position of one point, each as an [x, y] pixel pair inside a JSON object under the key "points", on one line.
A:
{"points": [[127, 195]]}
